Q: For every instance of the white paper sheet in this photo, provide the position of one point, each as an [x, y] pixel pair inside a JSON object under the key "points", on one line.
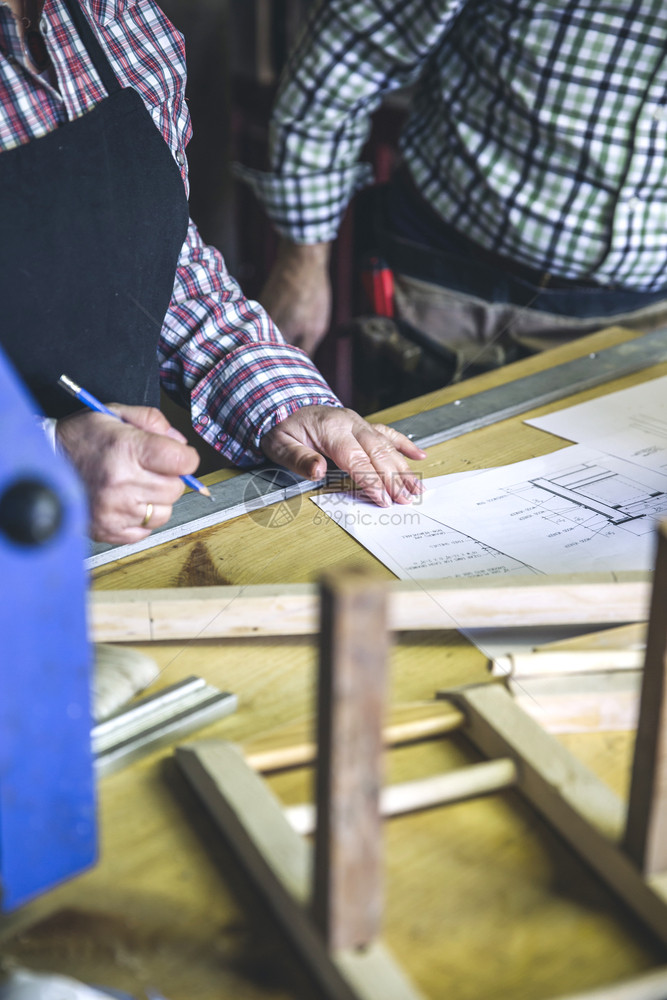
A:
{"points": [[410, 543], [589, 507], [641, 408], [576, 510], [511, 521]]}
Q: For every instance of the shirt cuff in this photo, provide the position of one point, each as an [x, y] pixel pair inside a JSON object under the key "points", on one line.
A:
{"points": [[306, 208], [249, 392]]}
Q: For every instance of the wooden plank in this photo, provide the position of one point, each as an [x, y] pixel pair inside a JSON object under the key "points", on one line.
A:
{"points": [[278, 861], [581, 703], [292, 609], [352, 682], [579, 806], [646, 832]]}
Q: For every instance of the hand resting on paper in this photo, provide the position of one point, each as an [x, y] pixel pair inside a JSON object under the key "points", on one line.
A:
{"points": [[372, 454]]}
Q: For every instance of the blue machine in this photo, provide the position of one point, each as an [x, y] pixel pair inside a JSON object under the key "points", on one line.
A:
{"points": [[47, 791]]}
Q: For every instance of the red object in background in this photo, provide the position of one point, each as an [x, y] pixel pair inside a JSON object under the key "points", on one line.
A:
{"points": [[378, 283]]}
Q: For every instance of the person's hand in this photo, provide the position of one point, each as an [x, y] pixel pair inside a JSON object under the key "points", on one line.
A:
{"points": [[372, 454], [130, 470], [297, 293]]}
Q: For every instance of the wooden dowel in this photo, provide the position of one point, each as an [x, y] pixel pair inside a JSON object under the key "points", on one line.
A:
{"points": [[427, 793], [303, 754], [550, 664], [292, 609]]}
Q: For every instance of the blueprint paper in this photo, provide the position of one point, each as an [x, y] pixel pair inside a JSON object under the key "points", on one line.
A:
{"points": [[413, 545], [630, 424], [641, 408], [576, 510], [642, 446]]}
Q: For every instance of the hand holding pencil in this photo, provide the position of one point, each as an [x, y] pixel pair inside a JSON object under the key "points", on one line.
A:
{"points": [[92, 403], [133, 467]]}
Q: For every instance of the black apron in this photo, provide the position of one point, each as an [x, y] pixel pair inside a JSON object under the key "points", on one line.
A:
{"points": [[93, 216]]}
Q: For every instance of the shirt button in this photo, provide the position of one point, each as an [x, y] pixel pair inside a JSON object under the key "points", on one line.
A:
{"points": [[180, 158], [634, 203], [660, 114]]}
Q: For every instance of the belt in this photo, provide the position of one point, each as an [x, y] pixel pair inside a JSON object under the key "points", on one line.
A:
{"points": [[449, 259]]}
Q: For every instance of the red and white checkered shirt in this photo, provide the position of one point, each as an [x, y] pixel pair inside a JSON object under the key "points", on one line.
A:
{"points": [[219, 352]]}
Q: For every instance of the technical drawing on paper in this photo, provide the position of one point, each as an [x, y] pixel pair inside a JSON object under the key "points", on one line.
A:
{"points": [[592, 495], [578, 509], [575, 510]]}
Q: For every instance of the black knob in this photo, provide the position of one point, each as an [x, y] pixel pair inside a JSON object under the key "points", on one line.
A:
{"points": [[30, 512]]}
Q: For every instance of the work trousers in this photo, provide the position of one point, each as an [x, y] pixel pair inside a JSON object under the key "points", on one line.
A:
{"points": [[484, 334]]}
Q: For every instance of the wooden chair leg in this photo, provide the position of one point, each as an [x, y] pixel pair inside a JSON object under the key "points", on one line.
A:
{"points": [[348, 875], [646, 830]]}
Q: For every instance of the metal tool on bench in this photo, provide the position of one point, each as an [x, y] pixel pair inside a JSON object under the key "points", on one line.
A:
{"points": [[47, 795], [157, 719]]}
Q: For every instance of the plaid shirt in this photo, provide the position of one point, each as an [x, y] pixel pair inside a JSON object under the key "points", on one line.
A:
{"points": [[219, 352], [538, 127]]}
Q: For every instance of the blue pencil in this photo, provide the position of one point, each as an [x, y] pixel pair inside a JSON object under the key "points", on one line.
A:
{"points": [[92, 403]]}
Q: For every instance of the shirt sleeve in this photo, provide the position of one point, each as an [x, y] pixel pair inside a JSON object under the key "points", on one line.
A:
{"points": [[223, 358], [349, 57]]}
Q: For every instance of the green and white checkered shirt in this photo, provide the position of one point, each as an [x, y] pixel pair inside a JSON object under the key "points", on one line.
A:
{"points": [[538, 127]]}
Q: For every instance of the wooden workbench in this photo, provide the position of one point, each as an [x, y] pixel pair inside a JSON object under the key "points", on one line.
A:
{"points": [[483, 900]]}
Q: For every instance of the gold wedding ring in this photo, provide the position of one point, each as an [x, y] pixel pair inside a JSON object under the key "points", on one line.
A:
{"points": [[148, 515]]}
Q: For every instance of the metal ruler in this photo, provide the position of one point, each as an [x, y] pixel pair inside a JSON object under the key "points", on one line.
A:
{"points": [[493, 405], [255, 490]]}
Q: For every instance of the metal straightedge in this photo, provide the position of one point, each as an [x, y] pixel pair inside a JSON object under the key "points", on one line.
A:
{"points": [[157, 720], [242, 494], [255, 490]]}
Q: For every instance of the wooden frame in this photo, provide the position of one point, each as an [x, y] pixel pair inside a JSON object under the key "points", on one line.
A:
{"points": [[646, 831], [292, 609], [576, 803], [591, 818], [335, 927], [279, 861]]}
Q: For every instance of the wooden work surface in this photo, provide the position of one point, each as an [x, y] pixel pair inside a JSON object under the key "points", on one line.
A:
{"points": [[483, 900]]}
